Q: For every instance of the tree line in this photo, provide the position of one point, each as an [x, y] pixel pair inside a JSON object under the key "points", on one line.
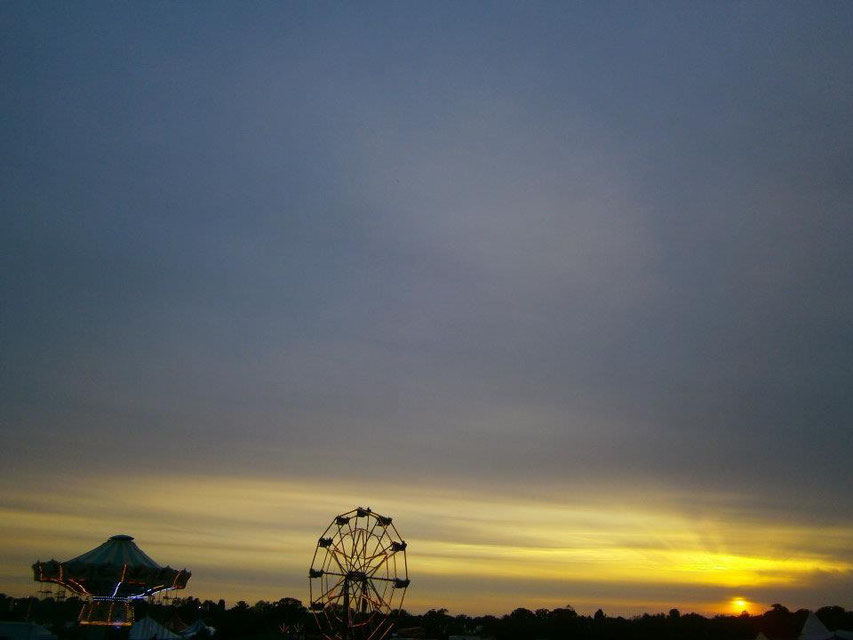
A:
{"points": [[289, 619]]}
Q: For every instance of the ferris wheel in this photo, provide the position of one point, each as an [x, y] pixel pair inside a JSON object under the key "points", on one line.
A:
{"points": [[358, 576]]}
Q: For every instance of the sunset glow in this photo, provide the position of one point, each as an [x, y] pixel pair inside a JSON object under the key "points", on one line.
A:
{"points": [[566, 549], [564, 288]]}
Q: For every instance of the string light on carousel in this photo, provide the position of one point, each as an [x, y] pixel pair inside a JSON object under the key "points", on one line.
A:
{"points": [[109, 578]]}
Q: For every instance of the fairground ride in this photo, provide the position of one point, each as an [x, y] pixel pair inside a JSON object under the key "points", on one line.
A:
{"points": [[358, 576], [109, 578]]}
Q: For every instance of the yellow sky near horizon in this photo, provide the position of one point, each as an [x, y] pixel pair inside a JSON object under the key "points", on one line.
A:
{"points": [[251, 539]]}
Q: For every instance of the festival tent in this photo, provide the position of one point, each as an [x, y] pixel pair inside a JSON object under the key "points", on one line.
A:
{"points": [[175, 623], [197, 627], [24, 631], [150, 629], [814, 629]]}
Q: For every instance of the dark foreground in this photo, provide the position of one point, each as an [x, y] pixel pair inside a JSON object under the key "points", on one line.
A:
{"points": [[288, 619]]}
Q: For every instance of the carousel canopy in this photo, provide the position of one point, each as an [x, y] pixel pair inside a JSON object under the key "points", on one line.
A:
{"points": [[117, 569], [117, 551]]}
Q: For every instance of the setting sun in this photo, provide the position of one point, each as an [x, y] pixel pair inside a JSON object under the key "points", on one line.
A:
{"points": [[740, 604]]}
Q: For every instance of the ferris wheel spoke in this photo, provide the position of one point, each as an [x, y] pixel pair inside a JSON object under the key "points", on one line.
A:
{"points": [[378, 542], [384, 557], [332, 573], [350, 557], [375, 591], [370, 536], [362, 597], [329, 592], [384, 546], [372, 595], [381, 631], [375, 568], [345, 553], [356, 550], [375, 552], [382, 554], [349, 526], [356, 543], [362, 552], [380, 537], [339, 536], [384, 541], [328, 560], [348, 545], [334, 556]]}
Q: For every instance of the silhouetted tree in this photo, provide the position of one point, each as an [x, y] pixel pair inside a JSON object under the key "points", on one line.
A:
{"points": [[834, 617], [287, 619]]}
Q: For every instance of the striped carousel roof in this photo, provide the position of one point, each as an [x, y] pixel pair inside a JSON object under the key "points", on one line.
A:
{"points": [[117, 551]]}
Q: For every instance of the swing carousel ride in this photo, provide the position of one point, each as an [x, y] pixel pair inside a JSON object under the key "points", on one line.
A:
{"points": [[358, 576], [110, 577]]}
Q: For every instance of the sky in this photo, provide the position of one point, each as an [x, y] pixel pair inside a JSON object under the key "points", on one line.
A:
{"points": [[566, 289]]}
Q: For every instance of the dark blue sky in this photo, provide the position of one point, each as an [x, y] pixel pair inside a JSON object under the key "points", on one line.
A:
{"points": [[535, 249]]}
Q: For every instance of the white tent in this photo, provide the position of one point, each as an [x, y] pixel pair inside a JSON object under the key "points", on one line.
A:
{"points": [[150, 629], [195, 628], [24, 631], [814, 629]]}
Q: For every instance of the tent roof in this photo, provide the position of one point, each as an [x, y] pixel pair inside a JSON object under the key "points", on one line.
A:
{"points": [[175, 623], [24, 631], [197, 627], [149, 629], [118, 550], [814, 629]]}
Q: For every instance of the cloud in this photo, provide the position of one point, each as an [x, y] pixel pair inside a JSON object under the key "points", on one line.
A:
{"points": [[550, 255], [261, 532]]}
